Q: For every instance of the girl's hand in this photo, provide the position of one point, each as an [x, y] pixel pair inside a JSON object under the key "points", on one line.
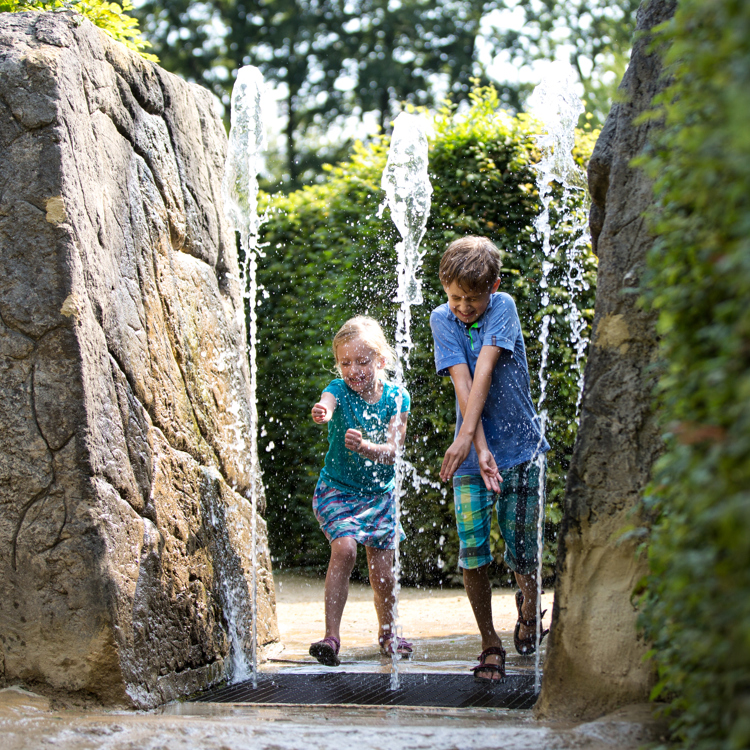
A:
{"points": [[321, 413], [353, 440]]}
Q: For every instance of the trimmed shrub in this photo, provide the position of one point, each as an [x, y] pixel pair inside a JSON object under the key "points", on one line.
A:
{"points": [[697, 597], [329, 256]]}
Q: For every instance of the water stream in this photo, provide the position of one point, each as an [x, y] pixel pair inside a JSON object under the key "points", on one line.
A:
{"points": [[557, 107], [408, 190], [240, 194]]}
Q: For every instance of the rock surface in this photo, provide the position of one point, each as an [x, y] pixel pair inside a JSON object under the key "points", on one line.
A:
{"points": [[595, 659], [124, 412]]}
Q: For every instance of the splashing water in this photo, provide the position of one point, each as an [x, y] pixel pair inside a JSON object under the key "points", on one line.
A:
{"points": [[222, 516], [407, 188], [240, 193], [556, 105]]}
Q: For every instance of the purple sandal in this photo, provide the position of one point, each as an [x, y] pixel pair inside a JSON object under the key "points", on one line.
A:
{"points": [[327, 651], [402, 647]]}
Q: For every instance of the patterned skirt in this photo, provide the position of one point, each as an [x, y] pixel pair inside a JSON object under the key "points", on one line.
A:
{"points": [[369, 519]]}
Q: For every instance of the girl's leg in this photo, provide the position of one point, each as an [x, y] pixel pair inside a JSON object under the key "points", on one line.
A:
{"points": [[382, 580], [343, 557]]}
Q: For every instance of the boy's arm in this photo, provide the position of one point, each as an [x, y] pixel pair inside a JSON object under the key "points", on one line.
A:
{"points": [[471, 395], [323, 410], [381, 453]]}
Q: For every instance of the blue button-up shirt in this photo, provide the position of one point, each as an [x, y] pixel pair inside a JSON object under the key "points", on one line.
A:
{"points": [[510, 422]]}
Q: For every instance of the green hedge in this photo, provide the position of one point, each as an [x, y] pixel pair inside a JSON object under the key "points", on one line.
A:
{"points": [[328, 256], [697, 600]]}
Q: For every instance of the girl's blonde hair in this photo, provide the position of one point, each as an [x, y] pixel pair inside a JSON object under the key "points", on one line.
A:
{"points": [[368, 330]]}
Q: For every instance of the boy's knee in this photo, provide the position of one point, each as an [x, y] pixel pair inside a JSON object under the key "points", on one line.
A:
{"points": [[477, 573]]}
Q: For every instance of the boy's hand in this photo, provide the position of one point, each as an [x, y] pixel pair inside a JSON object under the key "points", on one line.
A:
{"points": [[353, 440], [489, 471], [454, 457], [321, 413]]}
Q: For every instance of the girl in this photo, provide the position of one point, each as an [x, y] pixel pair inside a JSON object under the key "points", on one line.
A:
{"points": [[354, 500]]}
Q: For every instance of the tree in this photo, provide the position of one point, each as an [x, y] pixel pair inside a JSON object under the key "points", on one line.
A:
{"points": [[331, 58], [596, 34], [407, 52]]}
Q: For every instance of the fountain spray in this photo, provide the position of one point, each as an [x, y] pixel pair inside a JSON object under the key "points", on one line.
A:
{"points": [[557, 107], [407, 187], [240, 193]]}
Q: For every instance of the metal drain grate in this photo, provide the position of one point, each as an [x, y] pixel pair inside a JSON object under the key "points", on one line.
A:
{"points": [[368, 689]]}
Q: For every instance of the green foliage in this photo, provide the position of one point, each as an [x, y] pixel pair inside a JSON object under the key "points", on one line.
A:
{"points": [[697, 597], [597, 35], [109, 17], [329, 256], [332, 59]]}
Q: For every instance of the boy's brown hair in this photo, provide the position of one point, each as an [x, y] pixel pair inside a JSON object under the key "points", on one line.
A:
{"points": [[474, 263]]}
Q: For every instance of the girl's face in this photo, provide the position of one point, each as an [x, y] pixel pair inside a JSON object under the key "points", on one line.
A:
{"points": [[359, 366]]}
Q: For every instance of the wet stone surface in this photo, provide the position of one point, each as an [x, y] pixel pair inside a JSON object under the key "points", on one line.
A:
{"points": [[442, 628]]}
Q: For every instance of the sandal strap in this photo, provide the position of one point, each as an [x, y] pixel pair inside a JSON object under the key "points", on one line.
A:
{"points": [[531, 621], [401, 643], [333, 641], [490, 667], [491, 651]]}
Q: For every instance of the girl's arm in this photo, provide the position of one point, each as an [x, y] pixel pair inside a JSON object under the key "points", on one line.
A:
{"points": [[323, 410], [381, 453]]}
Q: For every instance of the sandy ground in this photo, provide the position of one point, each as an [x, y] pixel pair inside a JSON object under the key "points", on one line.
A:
{"points": [[438, 622]]}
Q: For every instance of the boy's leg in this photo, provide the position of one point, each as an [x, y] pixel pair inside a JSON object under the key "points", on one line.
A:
{"points": [[517, 515], [473, 503], [343, 557], [382, 580], [479, 590], [527, 584]]}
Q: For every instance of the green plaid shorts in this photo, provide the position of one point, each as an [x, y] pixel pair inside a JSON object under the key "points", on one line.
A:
{"points": [[517, 506]]}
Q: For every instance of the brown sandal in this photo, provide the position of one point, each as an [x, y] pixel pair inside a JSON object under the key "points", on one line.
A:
{"points": [[526, 646], [484, 667]]}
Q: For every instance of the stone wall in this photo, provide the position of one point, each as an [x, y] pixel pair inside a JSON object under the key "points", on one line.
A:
{"points": [[124, 412], [595, 658]]}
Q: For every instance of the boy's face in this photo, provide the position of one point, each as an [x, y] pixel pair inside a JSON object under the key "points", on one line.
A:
{"points": [[467, 305]]}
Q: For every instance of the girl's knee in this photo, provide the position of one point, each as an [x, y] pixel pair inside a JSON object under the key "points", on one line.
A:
{"points": [[344, 551]]}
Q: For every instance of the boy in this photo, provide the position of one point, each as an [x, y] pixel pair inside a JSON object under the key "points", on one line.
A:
{"points": [[478, 342]]}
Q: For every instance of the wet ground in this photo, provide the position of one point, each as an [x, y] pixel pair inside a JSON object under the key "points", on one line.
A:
{"points": [[438, 622]]}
